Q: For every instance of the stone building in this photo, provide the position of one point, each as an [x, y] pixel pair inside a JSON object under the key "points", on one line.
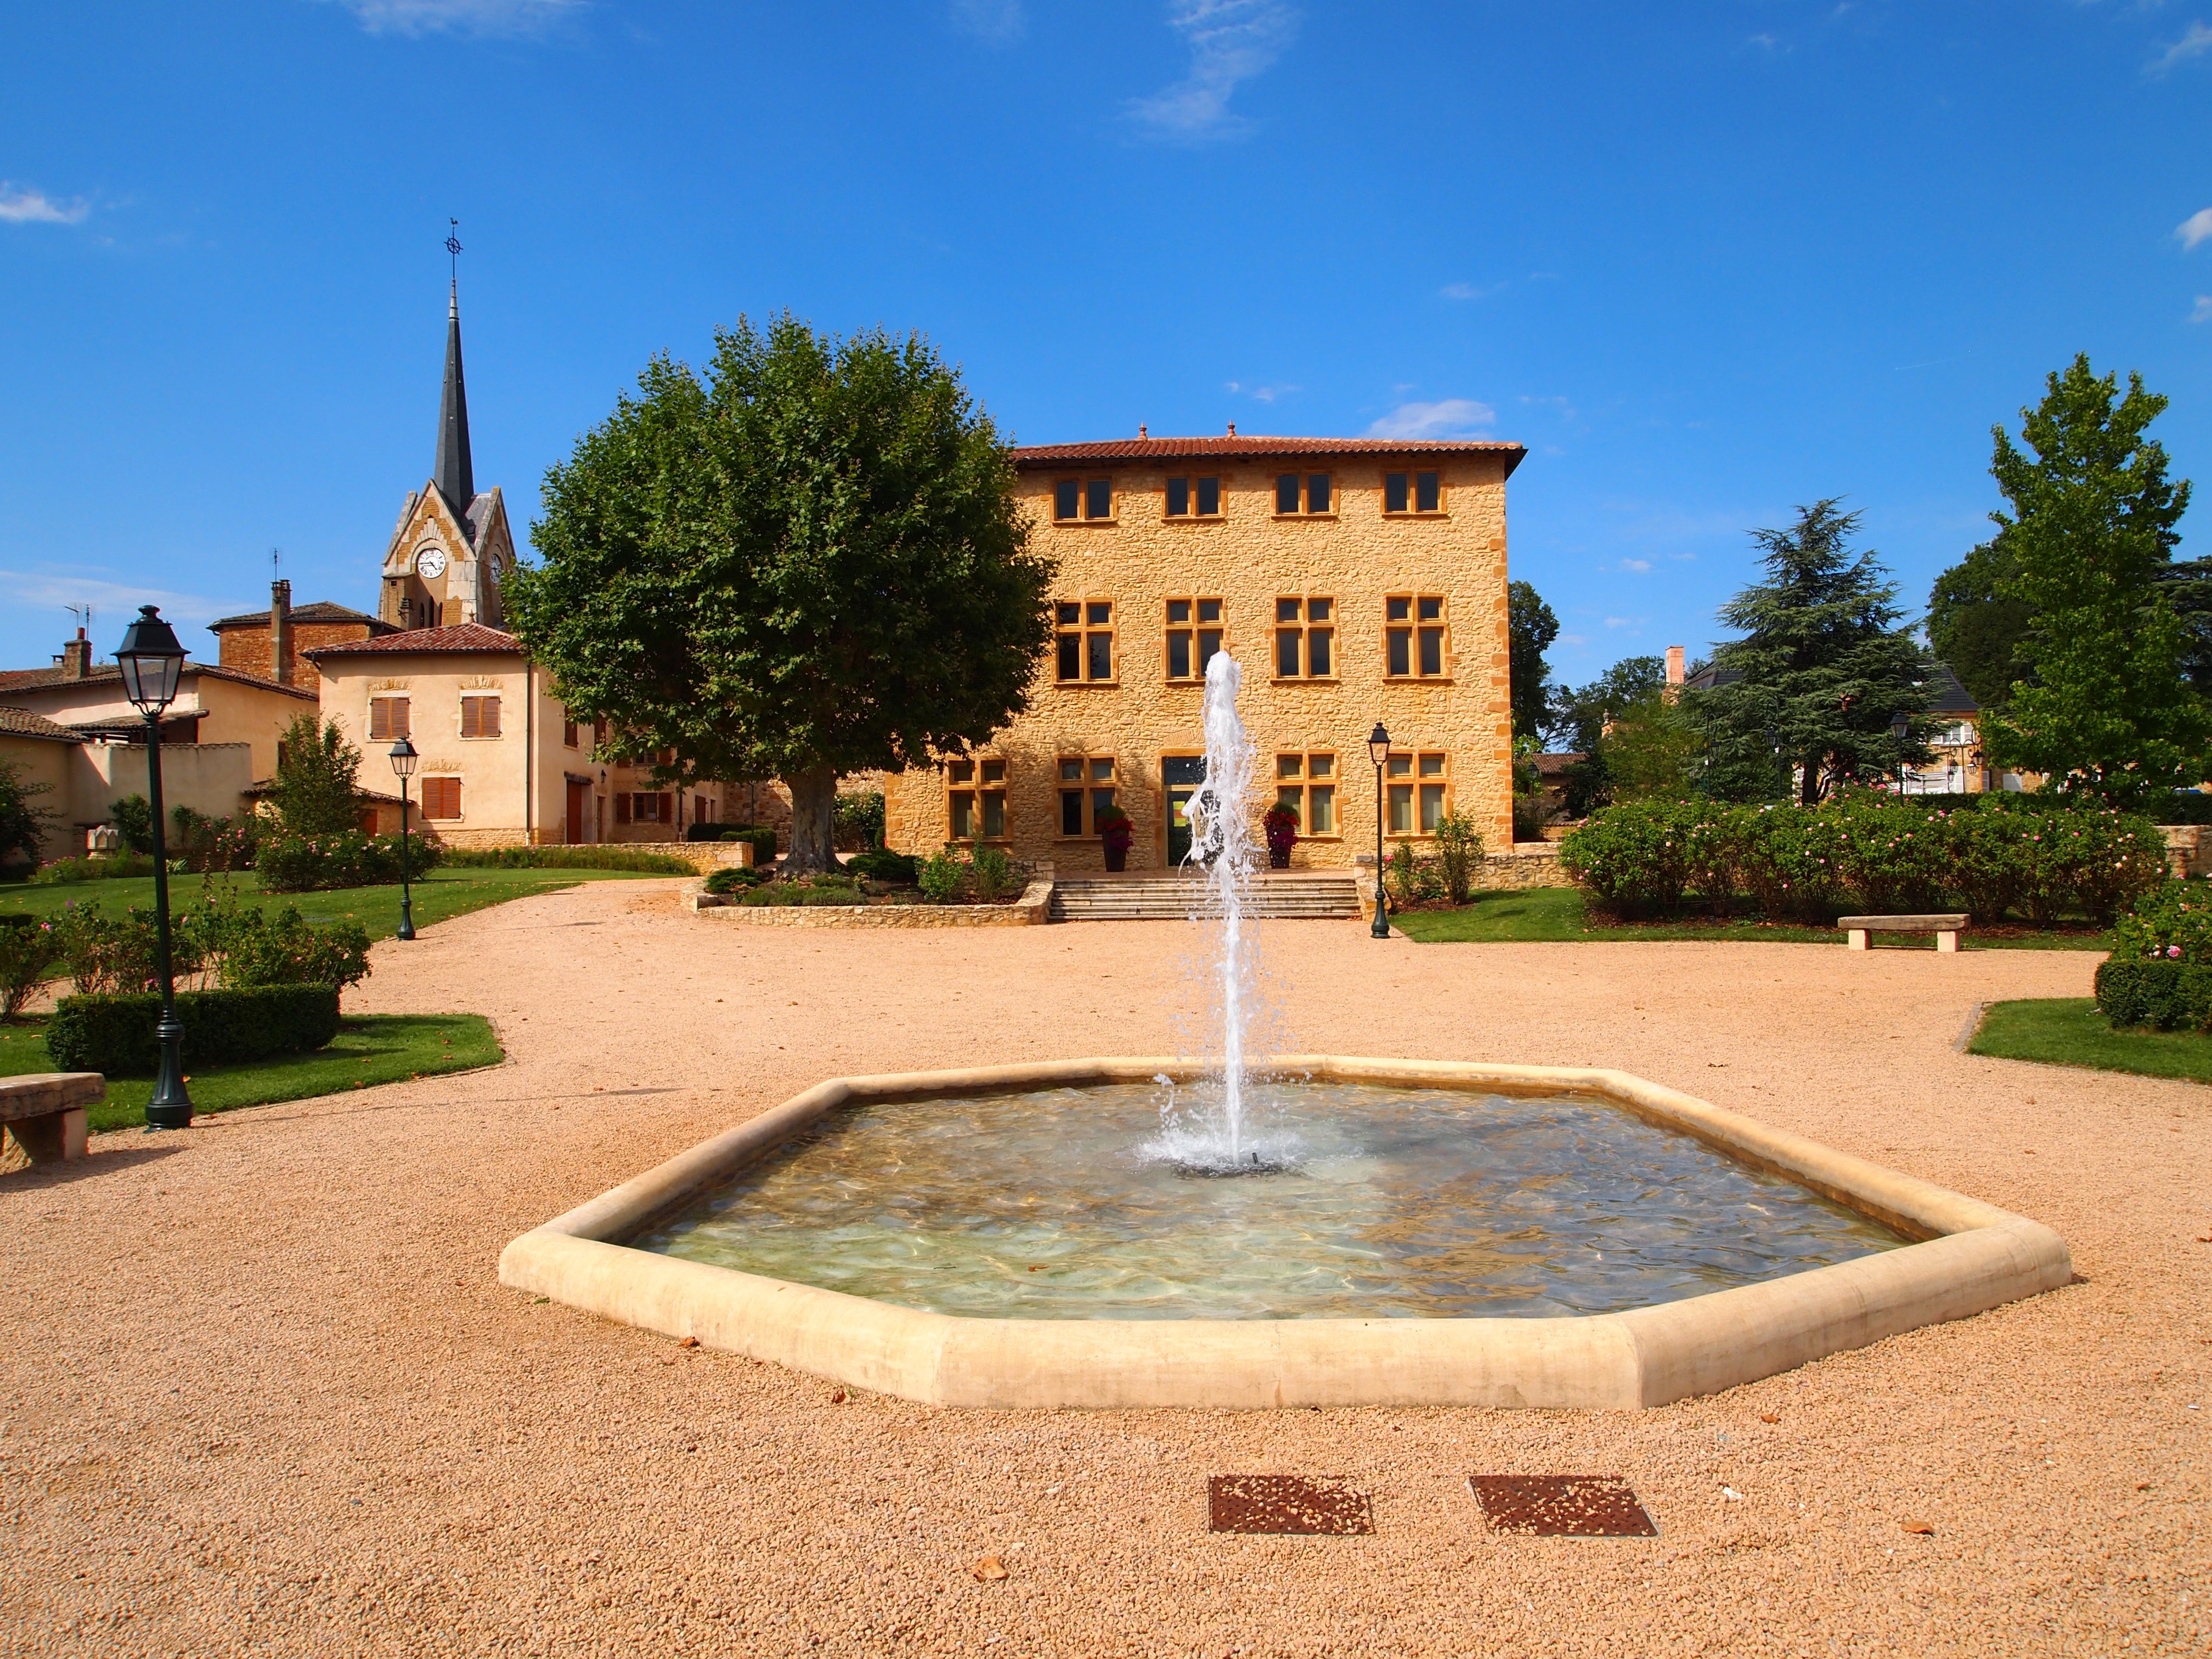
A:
{"points": [[1353, 579], [269, 644]]}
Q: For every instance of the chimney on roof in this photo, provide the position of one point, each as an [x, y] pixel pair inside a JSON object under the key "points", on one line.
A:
{"points": [[1675, 673], [1140, 429], [1232, 429], [280, 631], [76, 658]]}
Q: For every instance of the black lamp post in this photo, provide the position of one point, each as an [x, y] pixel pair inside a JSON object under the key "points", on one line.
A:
{"points": [[1774, 743], [403, 766], [1900, 725], [1378, 750], [152, 665]]}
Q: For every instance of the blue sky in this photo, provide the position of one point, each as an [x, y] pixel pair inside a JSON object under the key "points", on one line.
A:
{"points": [[1706, 260]]}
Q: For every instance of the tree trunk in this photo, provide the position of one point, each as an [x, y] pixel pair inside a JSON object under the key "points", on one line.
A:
{"points": [[813, 812]]}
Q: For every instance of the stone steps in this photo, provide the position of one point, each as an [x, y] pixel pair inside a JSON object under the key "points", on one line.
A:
{"points": [[1315, 896]]}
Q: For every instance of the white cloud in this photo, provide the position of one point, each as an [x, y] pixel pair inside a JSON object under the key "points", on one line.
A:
{"points": [[1624, 621], [1638, 565], [1464, 291], [2196, 228], [27, 206], [55, 590], [459, 16], [1452, 417], [1560, 406], [2204, 311], [1231, 41], [2193, 43], [994, 23]]}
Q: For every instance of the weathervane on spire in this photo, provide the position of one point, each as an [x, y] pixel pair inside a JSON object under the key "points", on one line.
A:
{"points": [[453, 248]]}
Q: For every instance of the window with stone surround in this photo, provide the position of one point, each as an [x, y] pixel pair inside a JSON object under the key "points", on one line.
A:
{"points": [[1417, 792], [1193, 498], [569, 732], [976, 798], [1413, 637], [1304, 495], [1082, 500], [387, 719], [1087, 784], [1307, 783], [1085, 630], [1194, 635], [441, 798], [1305, 638], [1412, 494], [479, 717]]}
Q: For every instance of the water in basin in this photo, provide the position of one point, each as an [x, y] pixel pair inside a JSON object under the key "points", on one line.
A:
{"points": [[1374, 1202]]}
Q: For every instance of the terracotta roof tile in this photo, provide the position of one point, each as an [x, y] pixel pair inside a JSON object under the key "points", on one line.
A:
{"points": [[1255, 448], [426, 641], [321, 611], [23, 723], [26, 679]]}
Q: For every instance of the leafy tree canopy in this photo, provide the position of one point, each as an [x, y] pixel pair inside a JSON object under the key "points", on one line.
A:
{"points": [[1579, 716], [804, 563], [24, 825], [2110, 714], [1530, 628], [1822, 669], [1977, 630], [316, 766]]}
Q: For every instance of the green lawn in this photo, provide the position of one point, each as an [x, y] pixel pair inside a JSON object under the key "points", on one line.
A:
{"points": [[1553, 914], [369, 1048], [2069, 1031], [439, 896]]}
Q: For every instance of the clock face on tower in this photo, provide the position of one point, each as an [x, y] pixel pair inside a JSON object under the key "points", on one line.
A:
{"points": [[430, 563]]}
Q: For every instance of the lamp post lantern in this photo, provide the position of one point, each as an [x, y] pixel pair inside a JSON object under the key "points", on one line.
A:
{"points": [[1378, 750], [1774, 743], [152, 665], [1900, 725], [403, 766]]}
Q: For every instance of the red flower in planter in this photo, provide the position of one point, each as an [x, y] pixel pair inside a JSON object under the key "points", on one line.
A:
{"points": [[1281, 827]]}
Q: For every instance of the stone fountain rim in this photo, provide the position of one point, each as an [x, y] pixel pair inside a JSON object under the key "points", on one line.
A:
{"points": [[1970, 1257]]}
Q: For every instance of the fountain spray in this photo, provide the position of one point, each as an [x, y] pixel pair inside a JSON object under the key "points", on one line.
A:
{"points": [[1221, 841]]}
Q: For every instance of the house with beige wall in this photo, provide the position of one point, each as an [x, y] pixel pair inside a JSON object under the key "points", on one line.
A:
{"points": [[80, 777], [501, 762], [1353, 579], [214, 704]]}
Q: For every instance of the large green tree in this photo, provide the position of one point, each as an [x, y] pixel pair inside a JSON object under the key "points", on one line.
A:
{"points": [[1975, 628], [1530, 628], [1579, 717], [2109, 714], [805, 562], [1823, 668]]}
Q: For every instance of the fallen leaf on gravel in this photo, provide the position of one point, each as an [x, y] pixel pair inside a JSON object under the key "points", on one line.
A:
{"points": [[838, 1398], [1731, 1494], [989, 1568], [1769, 1417], [689, 1342], [1916, 1525]]}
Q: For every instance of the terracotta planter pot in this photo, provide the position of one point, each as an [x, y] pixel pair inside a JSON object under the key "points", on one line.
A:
{"points": [[1117, 858]]}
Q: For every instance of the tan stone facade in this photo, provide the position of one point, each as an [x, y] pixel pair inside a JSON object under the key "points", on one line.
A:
{"points": [[1437, 578]]}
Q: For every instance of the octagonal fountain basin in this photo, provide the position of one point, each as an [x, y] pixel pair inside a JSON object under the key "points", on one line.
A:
{"points": [[1384, 1232]]}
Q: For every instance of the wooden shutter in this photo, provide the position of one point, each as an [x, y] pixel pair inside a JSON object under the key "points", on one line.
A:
{"points": [[441, 798], [661, 810], [387, 718], [479, 717], [621, 808]]}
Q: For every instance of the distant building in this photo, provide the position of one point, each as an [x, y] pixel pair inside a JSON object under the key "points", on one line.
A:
{"points": [[268, 644]]}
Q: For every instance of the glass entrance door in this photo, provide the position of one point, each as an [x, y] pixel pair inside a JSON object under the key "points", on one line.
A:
{"points": [[1181, 775]]}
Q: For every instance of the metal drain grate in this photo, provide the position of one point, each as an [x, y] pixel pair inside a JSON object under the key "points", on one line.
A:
{"points": [[1561, 1506], [1286, 1503]]}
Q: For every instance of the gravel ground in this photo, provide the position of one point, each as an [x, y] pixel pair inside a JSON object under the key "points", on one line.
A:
{"points": [[264, 1393]]}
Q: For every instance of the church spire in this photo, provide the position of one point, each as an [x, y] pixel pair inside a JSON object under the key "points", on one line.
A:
{"points": [[454, 475]]}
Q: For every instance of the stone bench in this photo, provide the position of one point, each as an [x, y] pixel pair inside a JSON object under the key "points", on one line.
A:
{"points": [[1947, 928], [45, 1112]]}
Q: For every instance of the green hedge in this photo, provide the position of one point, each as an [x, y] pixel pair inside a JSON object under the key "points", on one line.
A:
{"points": [[2170, 995], [313, 864], [602, 856], [114, 1035], [1867, 852]]}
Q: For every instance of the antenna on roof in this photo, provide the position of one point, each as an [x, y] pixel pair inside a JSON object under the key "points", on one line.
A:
{"points": [[83, 613], [276, 562]]}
